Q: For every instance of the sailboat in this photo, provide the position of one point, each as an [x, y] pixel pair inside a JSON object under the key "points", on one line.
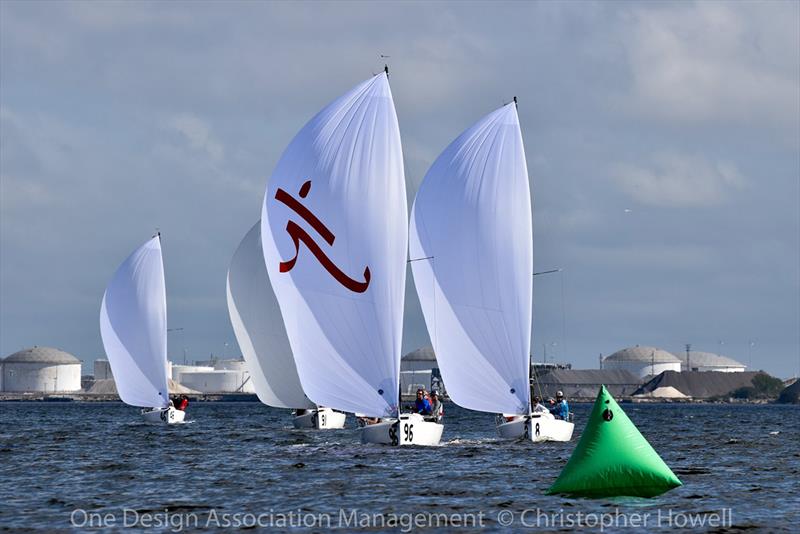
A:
{"points": [[133, 326], [471, 245], [334, 231], [255, 317]]}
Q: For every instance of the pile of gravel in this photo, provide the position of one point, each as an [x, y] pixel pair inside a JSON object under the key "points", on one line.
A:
{"points": [[585, 383], [699, 384], [664, 392]]}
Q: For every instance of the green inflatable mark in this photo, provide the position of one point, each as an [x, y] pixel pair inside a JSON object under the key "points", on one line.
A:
{"points": [[613, 458]]}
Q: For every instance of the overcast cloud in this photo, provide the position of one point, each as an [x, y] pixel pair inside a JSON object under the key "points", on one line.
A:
{"points": [[663, 143]]}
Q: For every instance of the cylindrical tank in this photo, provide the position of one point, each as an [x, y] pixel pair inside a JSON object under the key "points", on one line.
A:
{"points": [[708, 361], [41, 370], [230, 365], [180, 370], [218, 381], [643, 361]]}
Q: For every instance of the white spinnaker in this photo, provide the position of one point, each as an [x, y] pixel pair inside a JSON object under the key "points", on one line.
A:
{"points": [[342, 303], [472, 214], [257, 323], [133, 325]]}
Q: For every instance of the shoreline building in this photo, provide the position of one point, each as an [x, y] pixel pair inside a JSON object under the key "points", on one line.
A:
{"points": [[40, 370], [642, 361], [419, 369], [102, 369]]}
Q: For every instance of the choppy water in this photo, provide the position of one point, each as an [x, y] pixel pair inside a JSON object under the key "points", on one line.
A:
{"points": [[244, 458]]}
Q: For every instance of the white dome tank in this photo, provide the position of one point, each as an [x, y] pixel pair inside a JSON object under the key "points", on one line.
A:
{"points": [[41, 370], [643, 361]]}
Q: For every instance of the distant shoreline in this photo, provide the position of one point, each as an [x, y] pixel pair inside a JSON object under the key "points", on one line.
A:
{"points": [[101, 397], [252, 397]]}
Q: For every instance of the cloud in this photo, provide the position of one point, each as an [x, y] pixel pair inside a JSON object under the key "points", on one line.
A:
{"points": [[679, 180], [198, 134], [122, 117], [716, 61]]}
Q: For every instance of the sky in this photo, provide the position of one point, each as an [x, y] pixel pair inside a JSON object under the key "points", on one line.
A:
{"points": [[662, 140]]}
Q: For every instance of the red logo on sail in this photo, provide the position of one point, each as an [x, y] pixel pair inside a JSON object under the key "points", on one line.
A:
{"points": [[298, 235]]}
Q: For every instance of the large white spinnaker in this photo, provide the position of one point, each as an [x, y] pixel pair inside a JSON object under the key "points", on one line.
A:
{"points": [[259, 329], [334, 229], [472, 218], [133, 326]]}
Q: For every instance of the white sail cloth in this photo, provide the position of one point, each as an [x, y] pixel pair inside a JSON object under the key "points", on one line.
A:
{"points": [[133, 326], [259, 329], [472, 215], [335, 234]]}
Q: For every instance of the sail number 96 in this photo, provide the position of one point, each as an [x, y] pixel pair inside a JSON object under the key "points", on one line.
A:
{"points": [[408, 431]]}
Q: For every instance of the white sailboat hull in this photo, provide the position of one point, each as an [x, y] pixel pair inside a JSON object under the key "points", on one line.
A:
{"points": [[321, 419], [537, 428], [164, 415], [410, 429]]}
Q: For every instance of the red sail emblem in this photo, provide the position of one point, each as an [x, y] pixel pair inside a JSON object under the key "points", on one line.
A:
{"points": [[299, 235]]}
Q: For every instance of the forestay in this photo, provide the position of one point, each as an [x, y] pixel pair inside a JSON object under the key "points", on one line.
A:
{"points": [[133, 326], [335, 235], [472, 218], [259, 329]]}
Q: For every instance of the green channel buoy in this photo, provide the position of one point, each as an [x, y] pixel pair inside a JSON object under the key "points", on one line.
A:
{"points": [[613, 458]]}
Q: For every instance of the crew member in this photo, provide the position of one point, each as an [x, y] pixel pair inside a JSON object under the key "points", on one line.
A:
{"points": [[561, 409], [422, 405], [437, 409]]}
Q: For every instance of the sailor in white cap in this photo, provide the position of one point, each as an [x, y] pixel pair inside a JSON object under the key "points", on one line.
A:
{"points": [[561, 409]]}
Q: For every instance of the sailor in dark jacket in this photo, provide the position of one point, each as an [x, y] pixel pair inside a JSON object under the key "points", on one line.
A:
{"points": [[422, 405]]}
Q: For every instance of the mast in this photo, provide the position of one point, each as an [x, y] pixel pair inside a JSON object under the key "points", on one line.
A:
{"points": [[530, 362]]}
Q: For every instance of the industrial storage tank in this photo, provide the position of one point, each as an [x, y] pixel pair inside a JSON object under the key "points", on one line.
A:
{"points": [[231, 365], [643, 361], [708, 361], [221, 376], [218, 381], [41, 370], [179, 370]]}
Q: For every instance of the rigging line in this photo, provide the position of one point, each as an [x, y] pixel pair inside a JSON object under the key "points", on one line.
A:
{"points": [[563, 317], [418, 259], [433, 281], [536, 383]]}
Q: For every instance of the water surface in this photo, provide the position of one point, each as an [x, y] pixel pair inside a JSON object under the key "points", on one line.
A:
{"points": [[244, 458]]}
